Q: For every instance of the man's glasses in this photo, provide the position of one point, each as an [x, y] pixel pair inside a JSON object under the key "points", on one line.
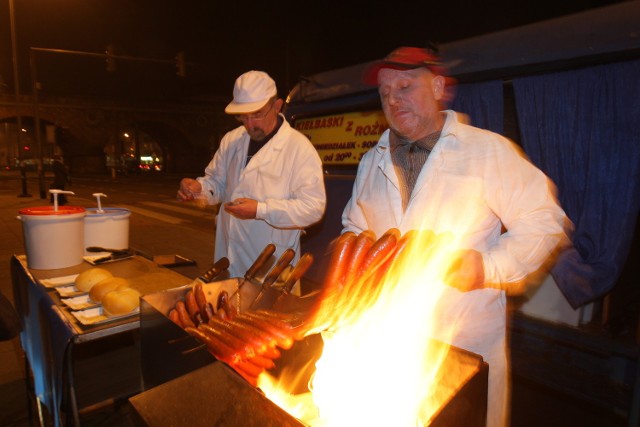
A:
{"points": [[244, 118]]}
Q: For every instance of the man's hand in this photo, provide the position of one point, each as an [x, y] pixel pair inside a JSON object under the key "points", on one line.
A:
{"points": [[189, 189], [466, 272], [242, 208]]}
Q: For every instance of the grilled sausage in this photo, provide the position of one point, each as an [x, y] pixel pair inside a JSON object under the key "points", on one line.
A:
{"points": [[262, 362], [250, 330], [282, 337], [379, 252], [208, 312], [271, 353], [276, 315], [399, 251], [279, 320], [342, 249], [215, 346], [362, 245], [351, 301], [244, 349], [248, 371], [223, 298], [258, 343], [224, 304], [175, 318], [185, 319], [192, 305], [247, 367], [221, 314], [201, 298]]}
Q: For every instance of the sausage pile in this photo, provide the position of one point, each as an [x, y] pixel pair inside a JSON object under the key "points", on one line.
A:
{"points": [[248, 342], [357, 270]]}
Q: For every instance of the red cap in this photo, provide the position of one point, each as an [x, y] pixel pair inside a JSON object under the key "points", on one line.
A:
{"points": [[405, 58]]}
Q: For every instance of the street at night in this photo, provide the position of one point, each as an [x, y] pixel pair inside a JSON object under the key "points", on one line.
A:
{"points": [[502, 137]]}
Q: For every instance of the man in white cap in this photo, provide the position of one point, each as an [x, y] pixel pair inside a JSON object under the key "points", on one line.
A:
{"points": [[267, 175]]}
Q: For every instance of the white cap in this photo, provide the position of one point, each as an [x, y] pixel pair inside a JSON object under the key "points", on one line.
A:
{"points": [[251, 92]]}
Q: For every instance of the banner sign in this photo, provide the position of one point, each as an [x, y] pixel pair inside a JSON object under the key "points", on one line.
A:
{"points": [[342, 139]]}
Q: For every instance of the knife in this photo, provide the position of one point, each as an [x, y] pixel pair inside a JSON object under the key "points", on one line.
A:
{"points": [[113, 257], [272, 276], [299, 270], [113, 251], [257, 264], [216, 269]]}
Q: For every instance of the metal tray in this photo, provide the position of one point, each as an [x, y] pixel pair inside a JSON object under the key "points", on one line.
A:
{"points": [[96, 316], [69, 291], [81, 302], [54, 282]]}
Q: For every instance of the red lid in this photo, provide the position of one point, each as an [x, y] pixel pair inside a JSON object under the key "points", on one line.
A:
{"points": [[48, 210]]}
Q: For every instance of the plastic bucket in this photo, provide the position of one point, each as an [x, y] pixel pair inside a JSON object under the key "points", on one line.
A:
{"points": [[108, 228], [53, 238]]}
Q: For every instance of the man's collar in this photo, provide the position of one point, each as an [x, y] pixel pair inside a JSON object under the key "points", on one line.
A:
{"points": [[426, 143]]}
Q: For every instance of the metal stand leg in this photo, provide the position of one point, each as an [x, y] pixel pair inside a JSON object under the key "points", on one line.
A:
{"points": [[40, 416], [31, 393], [73, 402], [634, 410]]}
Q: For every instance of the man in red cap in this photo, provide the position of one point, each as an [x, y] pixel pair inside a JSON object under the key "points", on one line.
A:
{"points": [[430, 171], [266, 174]]}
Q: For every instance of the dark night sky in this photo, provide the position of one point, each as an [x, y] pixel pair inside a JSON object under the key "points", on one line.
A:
{"points": [[287, 39]]}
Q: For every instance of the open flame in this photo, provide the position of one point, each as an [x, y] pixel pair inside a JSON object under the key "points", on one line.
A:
{"points": [[381, 367]]}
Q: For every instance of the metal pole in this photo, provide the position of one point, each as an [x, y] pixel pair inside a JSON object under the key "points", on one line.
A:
{"points": [[16, 86], [36, 114]]}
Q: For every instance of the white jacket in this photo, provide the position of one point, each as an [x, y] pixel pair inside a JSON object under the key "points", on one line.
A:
{"points": [[472, 184], [285, 177]]}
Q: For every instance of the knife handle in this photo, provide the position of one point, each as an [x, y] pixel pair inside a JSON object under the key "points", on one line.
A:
{"points": [[221, 265], [260, 261], [282, 263], [301, 267], [101, 249]]}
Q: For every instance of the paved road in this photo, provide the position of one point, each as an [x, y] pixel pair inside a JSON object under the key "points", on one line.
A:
{"points": [[159, 224]]}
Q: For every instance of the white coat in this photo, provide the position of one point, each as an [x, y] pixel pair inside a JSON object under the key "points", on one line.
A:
{"points": [[284, 176], [473, 183]]}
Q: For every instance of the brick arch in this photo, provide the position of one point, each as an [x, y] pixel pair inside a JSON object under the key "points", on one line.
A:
{"points": [[85, 128], [179, 151]]}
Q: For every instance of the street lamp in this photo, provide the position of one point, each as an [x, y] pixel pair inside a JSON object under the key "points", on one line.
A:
{"points": [[16, 86], [36, 113]]}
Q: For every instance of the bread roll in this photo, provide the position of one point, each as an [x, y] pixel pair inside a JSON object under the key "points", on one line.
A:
{"points": [[99, 290], [88, 278], [121, 301]]}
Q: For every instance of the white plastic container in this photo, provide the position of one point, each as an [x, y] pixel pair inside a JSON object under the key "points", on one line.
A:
{"points": [[53, 238], [107, 228]]}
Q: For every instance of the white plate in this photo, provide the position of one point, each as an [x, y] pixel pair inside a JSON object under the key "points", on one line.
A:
{"points": [[79, 303], [96, 316], [69, 291], [54, 282]]}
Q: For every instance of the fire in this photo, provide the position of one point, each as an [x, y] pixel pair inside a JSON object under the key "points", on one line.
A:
{"points": [[380, 366]]}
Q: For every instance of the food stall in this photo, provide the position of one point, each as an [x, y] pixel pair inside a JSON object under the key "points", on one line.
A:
{"points": [[57, 324], [238, 351], [64, 327], [229, 345]]}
